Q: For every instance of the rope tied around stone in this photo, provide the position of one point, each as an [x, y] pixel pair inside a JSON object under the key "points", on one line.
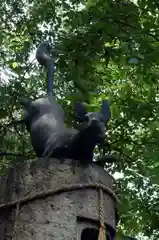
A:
{"points": [[72, 187], [102, 230]]}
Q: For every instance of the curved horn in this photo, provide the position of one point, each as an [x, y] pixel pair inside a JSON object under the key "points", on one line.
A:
{"points": [[43, 57], [43, 54]]}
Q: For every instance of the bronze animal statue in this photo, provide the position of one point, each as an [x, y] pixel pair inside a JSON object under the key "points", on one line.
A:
{"points": [[44, 120]]}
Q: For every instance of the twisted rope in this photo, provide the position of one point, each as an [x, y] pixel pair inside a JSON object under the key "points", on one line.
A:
{"points": [[102, 230], [101, 187]]}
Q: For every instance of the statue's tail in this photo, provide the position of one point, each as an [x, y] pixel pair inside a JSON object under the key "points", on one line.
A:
{"points": [[43, 57]]}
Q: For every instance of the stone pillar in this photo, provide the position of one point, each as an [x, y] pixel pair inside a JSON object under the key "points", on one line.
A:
{"points": [[69, 213]]}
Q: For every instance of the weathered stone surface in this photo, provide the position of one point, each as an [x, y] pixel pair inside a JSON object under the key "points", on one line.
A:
{"points": [[55, 217]]}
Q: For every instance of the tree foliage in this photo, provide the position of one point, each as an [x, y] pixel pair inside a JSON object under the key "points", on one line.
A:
{"points": [[103, 49]]}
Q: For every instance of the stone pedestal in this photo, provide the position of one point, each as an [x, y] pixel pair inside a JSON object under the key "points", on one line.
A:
{"points": [[71, 214]]}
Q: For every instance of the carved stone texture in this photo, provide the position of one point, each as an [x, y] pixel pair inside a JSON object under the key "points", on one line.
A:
{"points": [[65, 215]]}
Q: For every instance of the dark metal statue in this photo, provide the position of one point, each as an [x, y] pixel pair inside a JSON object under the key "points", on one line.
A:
{"points": [[44, 120]]}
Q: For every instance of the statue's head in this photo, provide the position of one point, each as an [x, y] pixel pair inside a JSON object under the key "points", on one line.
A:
{"points": [[95, 121]]}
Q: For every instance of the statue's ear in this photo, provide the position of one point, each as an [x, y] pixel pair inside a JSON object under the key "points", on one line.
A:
{"points": [[105, 110], [25, 102], [80, 111]]}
